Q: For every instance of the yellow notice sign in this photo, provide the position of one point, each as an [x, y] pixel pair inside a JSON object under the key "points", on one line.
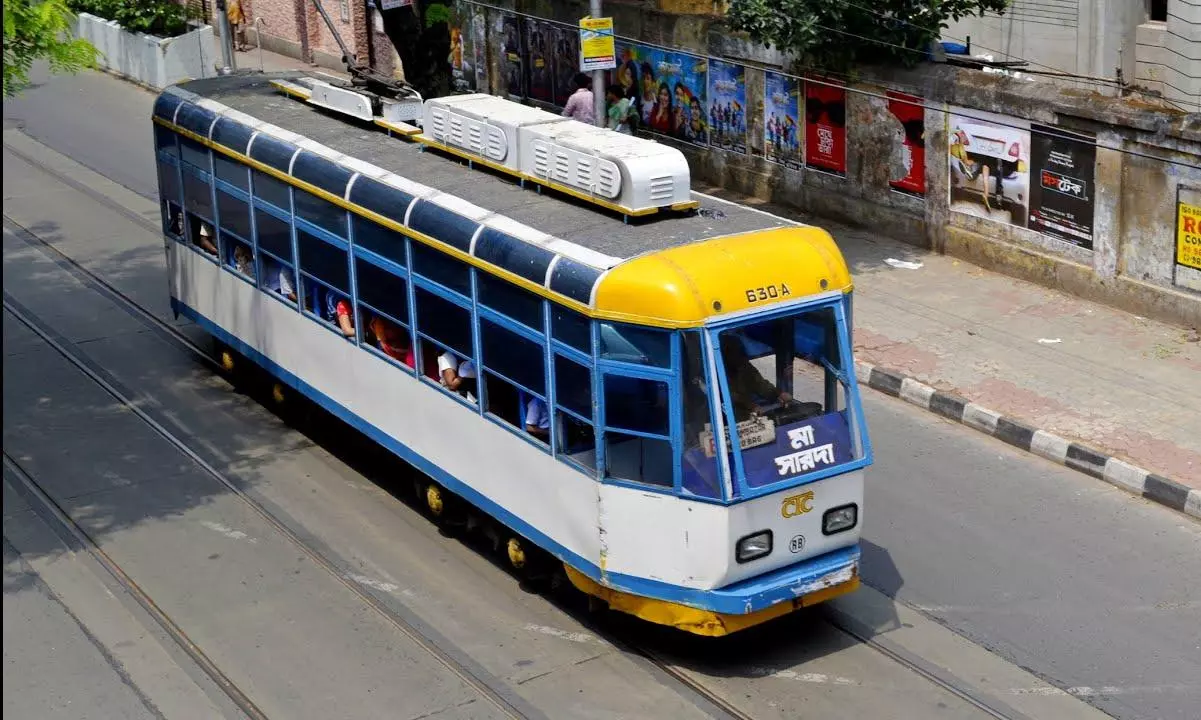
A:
{"points": [[596, 45], [1188, 235]]}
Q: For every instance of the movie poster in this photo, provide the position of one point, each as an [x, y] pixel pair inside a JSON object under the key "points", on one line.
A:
{"points": [[909, 111], [511, 70], [463, 52], [825, 127], [538, 46], [1062, 195], [989, 165], [727, 106], [564, 63], [782, 119], [671, 90]]}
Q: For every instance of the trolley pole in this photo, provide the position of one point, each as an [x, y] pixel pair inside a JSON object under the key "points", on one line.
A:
{"points": [[598, 76], [228, 63]]}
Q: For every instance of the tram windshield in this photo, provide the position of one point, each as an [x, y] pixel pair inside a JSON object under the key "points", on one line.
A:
{"points": [[785, 391]]}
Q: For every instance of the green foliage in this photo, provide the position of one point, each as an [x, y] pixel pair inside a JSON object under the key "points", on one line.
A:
{"points": [[436, 13], [833, 35], [41, 29], [153, 17]]}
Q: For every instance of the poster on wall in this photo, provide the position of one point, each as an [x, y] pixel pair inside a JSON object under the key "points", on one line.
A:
{"points": [[782, 119], [597, 45], [511, 70], [825, 127], [671, 90], [909, 111], [989, 165], [538, 44], [564, 58], [1187, 269], [462, 48], [727, 106], [1061, 197]]}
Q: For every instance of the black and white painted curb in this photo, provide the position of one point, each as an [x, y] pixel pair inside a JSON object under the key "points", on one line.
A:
{"points": [[1040, 442]]}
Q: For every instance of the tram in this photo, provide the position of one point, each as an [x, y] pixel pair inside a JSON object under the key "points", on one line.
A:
{"points": [[651, 387]]}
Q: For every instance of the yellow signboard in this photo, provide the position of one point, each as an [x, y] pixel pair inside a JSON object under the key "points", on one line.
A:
{"points": [[596, 45], [1188, 235]]}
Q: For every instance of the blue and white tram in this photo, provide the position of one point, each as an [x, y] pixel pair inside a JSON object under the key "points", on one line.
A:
{"points": [[607, 370]]}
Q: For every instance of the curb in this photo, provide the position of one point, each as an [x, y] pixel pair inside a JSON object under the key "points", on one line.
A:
{"points": [[1112, 470]]}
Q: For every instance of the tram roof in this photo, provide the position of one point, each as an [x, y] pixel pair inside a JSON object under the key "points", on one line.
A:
{"points": [[566, 245]]}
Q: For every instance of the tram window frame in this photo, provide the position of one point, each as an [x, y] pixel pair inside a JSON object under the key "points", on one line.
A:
{"points": [[327, 253], [264, 255], [319, 212], [654, 351], [440, 269], [197, 195], [379, 240], [514, 303], [230, 171], [427, 329], [195, 154], [571, 328], [566, 415], [166, 140], [264, 188], [265, 217], [496, 331], [230, 205]]}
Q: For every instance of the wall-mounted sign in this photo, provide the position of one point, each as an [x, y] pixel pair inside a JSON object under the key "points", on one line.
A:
{"points": [[910, 112], [596, 44], [1062, 193]]}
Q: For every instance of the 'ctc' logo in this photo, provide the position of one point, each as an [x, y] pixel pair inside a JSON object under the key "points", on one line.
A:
{"points": [[797, 504]]}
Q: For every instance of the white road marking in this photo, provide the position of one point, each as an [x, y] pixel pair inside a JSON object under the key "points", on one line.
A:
{"points": [[813, 678], [563, 634], [381, 585], [228, 532], [1082, 691]]}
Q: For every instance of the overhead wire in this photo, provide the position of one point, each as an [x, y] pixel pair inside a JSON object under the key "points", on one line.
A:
{"points": [[827, 83]]}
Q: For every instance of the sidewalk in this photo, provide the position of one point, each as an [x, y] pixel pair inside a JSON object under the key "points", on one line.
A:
{"points": [[1116, 383]]}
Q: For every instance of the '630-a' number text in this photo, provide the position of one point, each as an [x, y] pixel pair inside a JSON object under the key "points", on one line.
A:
{"points": [[767, 292]]}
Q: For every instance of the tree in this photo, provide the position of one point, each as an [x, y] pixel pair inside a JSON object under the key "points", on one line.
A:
{"points": [[41, 29], [833, 35]]}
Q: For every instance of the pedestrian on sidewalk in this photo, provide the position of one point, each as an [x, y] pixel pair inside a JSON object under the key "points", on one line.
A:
{"points": [[580, 105], [237, 24]]}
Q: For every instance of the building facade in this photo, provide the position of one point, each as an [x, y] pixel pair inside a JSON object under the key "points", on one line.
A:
{"points": [[1151, 44], [295, 28]]}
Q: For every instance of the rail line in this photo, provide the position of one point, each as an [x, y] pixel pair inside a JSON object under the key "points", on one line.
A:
{"points": [[723, 708]]}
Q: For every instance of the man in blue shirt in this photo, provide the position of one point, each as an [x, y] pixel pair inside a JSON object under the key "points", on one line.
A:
{"points": [[537, 419]]}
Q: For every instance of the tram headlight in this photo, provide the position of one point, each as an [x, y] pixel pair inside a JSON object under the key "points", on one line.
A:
{"points": [[840, 519], [753, 547]]}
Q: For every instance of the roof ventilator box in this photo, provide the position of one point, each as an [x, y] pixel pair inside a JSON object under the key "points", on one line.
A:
{"points": [[627, 171], [482, 125]]}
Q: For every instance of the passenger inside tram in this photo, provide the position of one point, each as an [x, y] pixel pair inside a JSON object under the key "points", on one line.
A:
{"points": [[749, 389], [205, 238], [392, 340], [457, 375], [338, 312], [537, 419], [243, 260], [281, 280]]}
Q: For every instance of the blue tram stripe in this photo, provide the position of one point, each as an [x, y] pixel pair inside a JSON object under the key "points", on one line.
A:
{"points": [[441, 224], [232, 134], [380, 198], [574, 279], [167, 103], [195, 118], [515, 255], [325, 174], [272, 151]]}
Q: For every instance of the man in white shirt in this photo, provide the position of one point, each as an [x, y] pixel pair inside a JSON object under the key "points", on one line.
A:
{"points": [[457, 375]]}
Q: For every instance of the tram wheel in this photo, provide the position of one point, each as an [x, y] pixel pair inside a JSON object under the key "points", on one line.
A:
{"points": [[227, 359], [515, 549], [435, 500], [279, 394]]}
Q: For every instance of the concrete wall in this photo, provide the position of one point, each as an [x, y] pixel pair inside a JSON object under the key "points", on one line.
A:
{"points": [[157, 62], [1168, 54]]}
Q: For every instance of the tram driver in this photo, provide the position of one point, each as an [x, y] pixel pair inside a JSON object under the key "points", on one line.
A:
{"points": [[748, 388]]}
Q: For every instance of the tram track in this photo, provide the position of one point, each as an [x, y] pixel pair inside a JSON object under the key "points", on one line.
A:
{"points": [[477, 679]]}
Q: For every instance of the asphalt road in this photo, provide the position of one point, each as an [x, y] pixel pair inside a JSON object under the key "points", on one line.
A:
{"points": [[1085, 586]]}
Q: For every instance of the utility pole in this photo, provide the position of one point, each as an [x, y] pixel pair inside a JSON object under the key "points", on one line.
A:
{"points": [[228, 63], [598, 76]]}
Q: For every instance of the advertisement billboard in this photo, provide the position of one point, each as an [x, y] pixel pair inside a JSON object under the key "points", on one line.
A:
{"points": [[1062, 192], [989, 165], [909, 111], [538, 39], [671, 90], [782, 119], [1186, 272], [825, 127], [727, 106], [565, 55], [597, 47], [511, 71]]}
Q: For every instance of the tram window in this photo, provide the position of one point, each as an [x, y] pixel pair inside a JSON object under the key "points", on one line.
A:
{"points": [[381, 289], [168, 182], [279, 278], [502, 400], [164, 140], [194, 153], [270, 190], [699, 463], [231, 171], [379, 240], [636, 404], [513, 356], [443, 321], [234, 214], [323, 261], [571, 328], [201, 234], [575, 440], [330, 306], [628, 343], [441, 268], [238, 255], [174, 220], [321, 213], [573, 386], [386, 336], [639, 459], [197, 195], [510, 300], [274, 235]]}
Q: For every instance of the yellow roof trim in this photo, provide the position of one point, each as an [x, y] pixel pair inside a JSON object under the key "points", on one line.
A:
{"points": [[685, 285]]}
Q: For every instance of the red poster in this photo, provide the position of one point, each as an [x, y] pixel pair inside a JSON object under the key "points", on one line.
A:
{"points": [[825, 127], [908, 110]]}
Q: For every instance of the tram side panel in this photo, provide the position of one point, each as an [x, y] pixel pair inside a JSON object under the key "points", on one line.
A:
{"points": [[512, 479]]}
